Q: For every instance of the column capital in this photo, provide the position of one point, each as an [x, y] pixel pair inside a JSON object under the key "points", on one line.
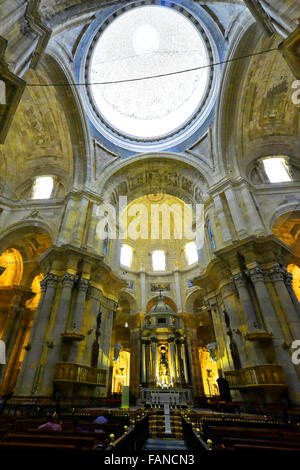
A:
{"points": [[51, 280], [68, 280], [83, 284], [240, 280], [256, 274], [277, 274]]}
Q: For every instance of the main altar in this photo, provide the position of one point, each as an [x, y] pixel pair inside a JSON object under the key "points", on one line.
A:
{"points": [[165, 375]]}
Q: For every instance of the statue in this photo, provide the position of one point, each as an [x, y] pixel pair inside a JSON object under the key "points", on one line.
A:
{"points": [[212, 347], [117, 350]]}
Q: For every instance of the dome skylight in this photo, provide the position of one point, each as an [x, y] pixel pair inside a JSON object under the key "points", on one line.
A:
{"points": [[144, 42]]}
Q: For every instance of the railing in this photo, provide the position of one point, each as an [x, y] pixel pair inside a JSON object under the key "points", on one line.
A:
{"points": [[192, 437], [134, 437], [75, 373], [256, 376]]}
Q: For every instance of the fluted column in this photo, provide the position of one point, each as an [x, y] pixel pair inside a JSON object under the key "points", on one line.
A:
{"points": [[273, 326], [32, 367], [236, 213], [172, 360], [277, 276], [154, 359], [250, 315], [143, 290], [143, 363], [82, 287], [147, 348], [178, 291], [54, 354], [184, 360], [179, 362], [253, 216], [227, 291], [288, 279], [222, 218]]}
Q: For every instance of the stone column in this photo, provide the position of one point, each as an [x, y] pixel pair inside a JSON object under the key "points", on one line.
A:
{"points": [[248, 308], [253, 216], [147, 361], [236, 213], [54, 353], [277, 276], [178, 291], [180, 375], [222, 218], [172, 360], [143, 290], [143, 363], [288, 278], [33, 369], [273, 326], [227, 291], [82, 287], [184, 360], [154, 359]]}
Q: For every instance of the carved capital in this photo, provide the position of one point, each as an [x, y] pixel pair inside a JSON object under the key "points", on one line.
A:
{"points": [[277, 274], [256, 274], [288, 278], [68, 280], [83, 284], [51, 280], [240, 280]]}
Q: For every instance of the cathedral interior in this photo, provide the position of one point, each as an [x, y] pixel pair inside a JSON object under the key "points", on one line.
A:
{"points": [[150, 204]]}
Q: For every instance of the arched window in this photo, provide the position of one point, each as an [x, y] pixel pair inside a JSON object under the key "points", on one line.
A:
{"points": [[126, 255], [43, 187], [191, 253], [158, 260], [277, 169]]}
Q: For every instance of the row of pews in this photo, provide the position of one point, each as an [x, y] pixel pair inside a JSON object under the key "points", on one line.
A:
{"points": [[23, 434], [240, 434]]}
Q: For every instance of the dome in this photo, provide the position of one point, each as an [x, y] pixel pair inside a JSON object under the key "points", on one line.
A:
{"points": [[161, 307]]}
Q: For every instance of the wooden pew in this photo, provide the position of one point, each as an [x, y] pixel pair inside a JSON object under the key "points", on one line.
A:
{"points": [[231, 437]]}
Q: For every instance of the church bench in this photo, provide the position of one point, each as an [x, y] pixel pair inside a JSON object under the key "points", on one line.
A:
{"points": [[275, 433], [263, 444], [33, 445], [229, 436], [77, 441]]}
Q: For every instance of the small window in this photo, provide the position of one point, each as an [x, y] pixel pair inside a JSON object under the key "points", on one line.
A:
{"points": [[276, 169], [191, 253], [161, 320], [126, 255], [158, 260], [43, 187], [210, 234]]}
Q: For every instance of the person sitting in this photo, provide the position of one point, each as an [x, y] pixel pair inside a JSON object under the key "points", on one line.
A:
{"points": [[77, 427], [51, 425], [98, 421]]}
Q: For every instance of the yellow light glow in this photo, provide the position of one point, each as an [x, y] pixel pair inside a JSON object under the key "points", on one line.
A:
{"points": [[11, 260]]}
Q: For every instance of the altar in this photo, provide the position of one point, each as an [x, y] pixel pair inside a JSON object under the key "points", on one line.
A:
{"points": [[157, 398]]}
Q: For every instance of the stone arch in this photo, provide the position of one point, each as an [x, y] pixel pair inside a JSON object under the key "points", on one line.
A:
{"points": [[286, 226], [168, 300], [31, 240], [130, 298], [169, 173], [193, 294]]}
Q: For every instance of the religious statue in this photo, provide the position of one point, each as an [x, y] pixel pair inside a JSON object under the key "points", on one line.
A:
{"points": [[117, 350], [212, 351]]}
